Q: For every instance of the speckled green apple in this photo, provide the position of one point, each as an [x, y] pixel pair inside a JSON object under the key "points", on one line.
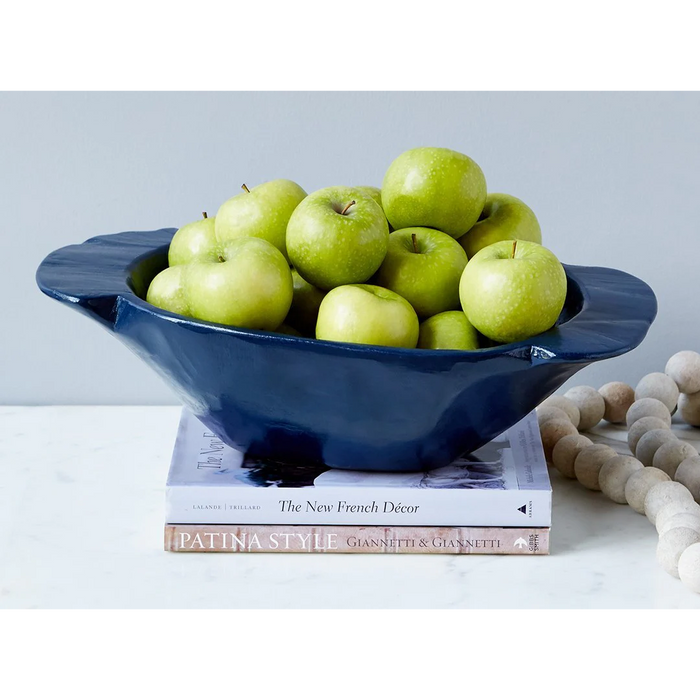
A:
{"points": [[424, 266], [513, 290], [251, 288], [504, 218], [305, 304], [194, 242], [374, 192], [368, 314], [336, 236], [449, 330], [166, 291], [434, 187], [261, 212]]}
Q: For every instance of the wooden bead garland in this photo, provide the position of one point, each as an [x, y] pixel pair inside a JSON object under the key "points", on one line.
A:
{"points": [[689, 408], [663, 481], [546, 413], [651, 443], [658, 385], [671, 546], [638, 486], [689, 567], [618, 398], [687, 519], [565, 452], [614, 475], [648, 407], [566, 405], [662, 494], [552, 431], [669, 456], [688, 474], [589, 462], [640, 428], [674, 508], [590, 404], [684, 369]]}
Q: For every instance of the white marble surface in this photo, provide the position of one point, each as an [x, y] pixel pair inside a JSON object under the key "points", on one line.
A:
{"points": [[81, 526]]}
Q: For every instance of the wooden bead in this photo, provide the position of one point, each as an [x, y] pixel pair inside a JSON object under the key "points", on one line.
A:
{"points": [[689, 567], [658, 385], [661, 494], [618, 398], [566, 405], [670, 510], [590, 404], [689, 408], [552, 431], [642, 426], [638, 486], [688, 474], [688, 519], [650, 442], [546, 413], [671, 545], [684, 369], [671, 454], [589, 462], [565, 452], [645, 408], [614, 474]]}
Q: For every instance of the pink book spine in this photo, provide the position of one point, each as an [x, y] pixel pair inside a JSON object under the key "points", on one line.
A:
{"points": [[346, 539]]}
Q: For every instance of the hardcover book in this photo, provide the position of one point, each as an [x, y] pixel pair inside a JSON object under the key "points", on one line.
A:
{"points": [[503, 484], [356, 539]]}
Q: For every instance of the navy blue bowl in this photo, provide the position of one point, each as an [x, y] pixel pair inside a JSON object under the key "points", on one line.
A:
{"points": [[344, 405]]}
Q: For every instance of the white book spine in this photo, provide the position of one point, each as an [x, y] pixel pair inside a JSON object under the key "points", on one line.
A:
{"points": [[341, 506]]}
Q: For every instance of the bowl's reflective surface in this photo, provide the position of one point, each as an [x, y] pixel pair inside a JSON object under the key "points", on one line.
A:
{"points": [[348, 406]]}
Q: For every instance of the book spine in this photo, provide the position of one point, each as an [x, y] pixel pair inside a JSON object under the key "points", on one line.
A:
{"points": [[356, 540], [347, 506]]}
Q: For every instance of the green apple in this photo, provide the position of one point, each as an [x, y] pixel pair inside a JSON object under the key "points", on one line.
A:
{"points": [[262, 212], [166, 291], [305, 304], [434, 187], [424, 266], [449, 330], [374, 192], [365, 313], [195, 242], [250, 288], [504, 218], [513, 290], [337, 236]]}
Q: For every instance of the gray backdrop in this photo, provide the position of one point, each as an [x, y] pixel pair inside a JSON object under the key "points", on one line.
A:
{"points": [[613, 177]]}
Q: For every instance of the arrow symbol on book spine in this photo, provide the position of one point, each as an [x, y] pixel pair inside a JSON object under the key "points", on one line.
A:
{"points": [[523, 508], [520, 542]]}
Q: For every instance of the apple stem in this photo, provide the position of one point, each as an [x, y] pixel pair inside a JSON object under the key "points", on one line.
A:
{"points": [[515, 244], [245, 187], [204, 214], [413, 240], [348, 207]]}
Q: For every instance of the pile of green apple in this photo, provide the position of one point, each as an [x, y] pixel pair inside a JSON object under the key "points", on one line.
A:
{"points": [[430, 261]]}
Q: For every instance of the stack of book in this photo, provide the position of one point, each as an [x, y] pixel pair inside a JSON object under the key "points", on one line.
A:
{"points": [[494, 501]]}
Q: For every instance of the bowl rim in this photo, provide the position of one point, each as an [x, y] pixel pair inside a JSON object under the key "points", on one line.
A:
{"points": [[96, 277]]}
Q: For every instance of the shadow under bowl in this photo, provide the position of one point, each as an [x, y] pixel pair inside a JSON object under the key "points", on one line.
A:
{"points": [[347, 406]]}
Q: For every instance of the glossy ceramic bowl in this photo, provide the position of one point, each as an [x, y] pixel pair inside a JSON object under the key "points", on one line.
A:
{"points": [[344, 405]]}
